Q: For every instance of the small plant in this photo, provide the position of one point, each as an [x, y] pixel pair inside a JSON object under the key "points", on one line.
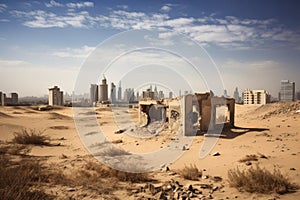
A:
{"points": [[190, 172], [31, 136], [260, 181]]}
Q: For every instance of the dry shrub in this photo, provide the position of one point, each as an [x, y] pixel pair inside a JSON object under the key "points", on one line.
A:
{"points": [[106, 172], [190, 172], [251, 157], [19, 180], [31, 136], [260, 181]]}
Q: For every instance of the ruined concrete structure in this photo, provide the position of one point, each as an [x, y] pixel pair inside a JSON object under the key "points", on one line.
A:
{"points": [[197, 111]]}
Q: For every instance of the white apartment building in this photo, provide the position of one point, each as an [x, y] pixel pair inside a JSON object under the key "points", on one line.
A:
{"points": [[256, 97]]}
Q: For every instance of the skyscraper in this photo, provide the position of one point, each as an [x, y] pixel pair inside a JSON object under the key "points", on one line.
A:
{"points": [[170, 95], [287, 91], [103, 91], [56, 97], [2, 99], [236, 95], [120, 92], [113, 93], [94, 93]]}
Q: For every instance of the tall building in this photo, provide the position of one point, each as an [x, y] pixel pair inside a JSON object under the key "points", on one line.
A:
{"points": [[56, 97], [161, 94], [256, 97], [120, 92], [14, 98], [298, 95], [2, 99], [225, 93], [94, 93], [156, 95], [287, 91], [113, 93], [236, 95], [129, 95], [148, 94], [103, 91], [170, 95]]}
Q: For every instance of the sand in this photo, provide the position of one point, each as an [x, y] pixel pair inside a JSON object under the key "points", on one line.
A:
{"points": [[272, 130]]}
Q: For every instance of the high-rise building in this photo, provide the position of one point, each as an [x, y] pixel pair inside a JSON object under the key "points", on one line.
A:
{"points": [[225, 93], [56, 97], [148, 94], [94, 93], [256, 97], [2, 99], [103, 91], [298, 95], [236, 95], [287, 91], [14, 98], [129, 95], [170, 95], [156, 95], [113, 93], [120, 92], [161, 94]]}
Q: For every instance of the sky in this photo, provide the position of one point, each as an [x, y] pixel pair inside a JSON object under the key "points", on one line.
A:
{"points": [[246, 44]]}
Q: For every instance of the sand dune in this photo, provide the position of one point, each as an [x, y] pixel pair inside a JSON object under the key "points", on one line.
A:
{"points": [[269, 132]]}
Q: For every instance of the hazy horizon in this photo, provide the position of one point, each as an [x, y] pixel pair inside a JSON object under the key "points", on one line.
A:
{"points": [[253, 44]]}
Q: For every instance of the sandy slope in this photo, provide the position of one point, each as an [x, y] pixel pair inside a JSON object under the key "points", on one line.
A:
{"points": [[271, 130]]}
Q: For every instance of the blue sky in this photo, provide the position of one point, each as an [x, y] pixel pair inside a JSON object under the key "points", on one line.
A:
{"points": [[254, 43]]}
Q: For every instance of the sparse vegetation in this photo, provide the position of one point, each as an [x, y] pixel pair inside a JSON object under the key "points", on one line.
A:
{"points": [[190, 172], [31, 136], [249, 158], [106, 172], [260, 180], [19, 179]]}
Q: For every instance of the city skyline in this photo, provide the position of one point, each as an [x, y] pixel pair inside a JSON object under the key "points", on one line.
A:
{"points": [[254, 45]]}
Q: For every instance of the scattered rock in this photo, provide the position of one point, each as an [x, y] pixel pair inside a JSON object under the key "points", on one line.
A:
{"points": [[248, 163], [217, 178], [117, 141], [292, 168], [120, 131], [216, 154]]}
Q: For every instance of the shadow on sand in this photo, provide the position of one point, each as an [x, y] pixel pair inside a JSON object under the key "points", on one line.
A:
{"points": [[229, 132]]}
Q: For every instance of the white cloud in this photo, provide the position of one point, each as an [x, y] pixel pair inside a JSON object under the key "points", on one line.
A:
{"points": [[165, 8], [80, 4], [10, 63], [82, 52], [2, 7], [53, 3], [251, 65], [229, 32], [42, 19], [124, 7]]}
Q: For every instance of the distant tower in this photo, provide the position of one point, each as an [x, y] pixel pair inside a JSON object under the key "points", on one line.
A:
{"points": [[287, 91], [56, 97], [225, 93], [94, 93], [120, 92], [113, 93], [170, 95], [14, 98], [103, 91], [236, 95], [161, 94], [156, 95]]}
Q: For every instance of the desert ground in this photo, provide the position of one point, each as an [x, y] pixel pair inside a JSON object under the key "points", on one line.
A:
{"points": [[269, 134]]}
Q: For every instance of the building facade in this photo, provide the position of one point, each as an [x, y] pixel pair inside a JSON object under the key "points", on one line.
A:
{"points": [[56, 97], [103, 91], [94, 96], [113, 93], [287, 91], [256, 97]]}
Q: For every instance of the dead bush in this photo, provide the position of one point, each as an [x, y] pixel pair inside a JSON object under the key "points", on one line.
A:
{"points": [[260, 180], [106, 172], [31, 136], [190, 172]]}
